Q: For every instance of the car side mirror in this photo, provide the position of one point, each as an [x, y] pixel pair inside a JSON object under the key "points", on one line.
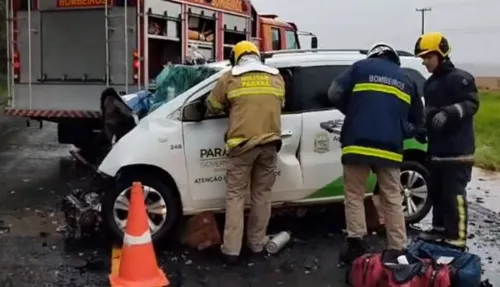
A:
{"points": [[314, 42], [194, 112]]}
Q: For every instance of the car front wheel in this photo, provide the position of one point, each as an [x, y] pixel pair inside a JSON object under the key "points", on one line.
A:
{"points": [[162, 206]]}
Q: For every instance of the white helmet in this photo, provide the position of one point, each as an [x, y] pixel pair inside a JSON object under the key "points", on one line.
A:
{"points": [[380, 49]]}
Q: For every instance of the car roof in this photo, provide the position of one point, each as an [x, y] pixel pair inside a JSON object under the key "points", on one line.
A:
{"points": [[297, 58]]}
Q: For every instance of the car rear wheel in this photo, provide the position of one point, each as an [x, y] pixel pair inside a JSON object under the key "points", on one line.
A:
{"points": [[415, 180]]}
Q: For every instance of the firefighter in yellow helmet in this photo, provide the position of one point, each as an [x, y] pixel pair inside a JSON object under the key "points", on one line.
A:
{"points": [[252, 94], [451, 102]]}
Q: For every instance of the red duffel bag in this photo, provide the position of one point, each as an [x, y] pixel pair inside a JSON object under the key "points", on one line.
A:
{"points": [[376, 270]]}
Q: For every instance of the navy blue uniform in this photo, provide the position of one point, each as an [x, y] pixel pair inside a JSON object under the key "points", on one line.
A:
{"points": [[451, 147], [454, 91], [378, 100]]}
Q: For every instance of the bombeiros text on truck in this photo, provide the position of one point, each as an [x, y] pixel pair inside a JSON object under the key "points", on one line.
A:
{"points": [[64, 53]]}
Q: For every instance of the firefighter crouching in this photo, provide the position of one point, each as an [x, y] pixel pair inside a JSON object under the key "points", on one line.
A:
{"points": [[451, 101], [252, 94], [377, 100]]}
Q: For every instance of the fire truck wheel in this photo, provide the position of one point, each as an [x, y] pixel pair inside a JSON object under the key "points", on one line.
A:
{"points": [[162, 204]]}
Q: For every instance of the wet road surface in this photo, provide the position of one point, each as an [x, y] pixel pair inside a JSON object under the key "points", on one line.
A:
{"points": [[35, 172]]}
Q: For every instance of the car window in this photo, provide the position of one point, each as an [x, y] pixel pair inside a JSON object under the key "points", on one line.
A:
{"points": [[276, 39], [302, 96], [291, 40], [418, 78], [309, 83], [287, 74]]}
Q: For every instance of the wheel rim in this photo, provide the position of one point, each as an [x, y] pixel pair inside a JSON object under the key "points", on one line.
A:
{"points": [[414, 190], [156, 208]]}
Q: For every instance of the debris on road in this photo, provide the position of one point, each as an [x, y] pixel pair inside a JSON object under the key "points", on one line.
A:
{"points": [[311, 263], [276, 243], [82, 214], [201, 231], [486, 283], [4, 228]]}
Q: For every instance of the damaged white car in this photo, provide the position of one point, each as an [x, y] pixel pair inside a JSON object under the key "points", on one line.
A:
{"points": [[178, 154]]}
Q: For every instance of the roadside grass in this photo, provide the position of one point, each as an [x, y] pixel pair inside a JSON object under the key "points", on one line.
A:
{"points": [[487, 127], [3, 90], [3, 95]]}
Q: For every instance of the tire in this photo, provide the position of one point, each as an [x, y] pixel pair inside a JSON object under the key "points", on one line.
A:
{"points": [[425, 206], [163, 189]]}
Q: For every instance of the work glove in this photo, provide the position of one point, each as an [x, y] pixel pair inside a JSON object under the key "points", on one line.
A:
{"points": [[430, 112], [439, 120], [421, 135], [409, 130]]}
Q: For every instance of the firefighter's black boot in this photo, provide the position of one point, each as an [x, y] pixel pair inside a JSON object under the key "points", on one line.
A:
{"points": [[353, 248], [229, 260]]}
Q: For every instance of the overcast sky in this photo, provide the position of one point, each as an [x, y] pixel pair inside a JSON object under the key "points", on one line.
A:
{"points": [[472, 26]]}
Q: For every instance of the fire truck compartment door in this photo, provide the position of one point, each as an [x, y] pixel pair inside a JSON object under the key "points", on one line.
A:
{"points": [[73, 44]]}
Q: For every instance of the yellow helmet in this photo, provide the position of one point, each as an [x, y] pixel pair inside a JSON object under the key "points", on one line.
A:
{"points": [[432, 42], [241, 49]]}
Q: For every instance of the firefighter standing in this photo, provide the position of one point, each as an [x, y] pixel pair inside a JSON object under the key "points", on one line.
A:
{"points": [[451, 102], [252, 94], [377, 100]]}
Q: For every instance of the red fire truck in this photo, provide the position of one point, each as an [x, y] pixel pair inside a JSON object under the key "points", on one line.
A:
{"points": [[64, 53]]}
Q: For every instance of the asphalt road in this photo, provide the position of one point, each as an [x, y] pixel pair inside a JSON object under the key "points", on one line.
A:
{"points": [[35, 172]]}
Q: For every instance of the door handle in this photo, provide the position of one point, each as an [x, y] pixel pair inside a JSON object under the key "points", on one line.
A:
{"points": [[286, 133]]}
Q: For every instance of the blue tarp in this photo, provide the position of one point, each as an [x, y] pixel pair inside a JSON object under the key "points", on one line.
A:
{"points": [[171, 82], [140, 103]]}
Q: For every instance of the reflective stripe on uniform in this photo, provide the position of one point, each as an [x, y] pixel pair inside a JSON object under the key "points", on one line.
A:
{"points": [[214, 104], [373, 152], [137, 240], [462, 227], [256, 91], [364, 87], [457, 243], [233, 142], [460, 158]]}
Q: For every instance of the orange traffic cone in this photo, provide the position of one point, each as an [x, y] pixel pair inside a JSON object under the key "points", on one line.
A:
{"points": [[138, 265]]}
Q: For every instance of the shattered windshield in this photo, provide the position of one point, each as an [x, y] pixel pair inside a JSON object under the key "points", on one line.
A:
{"points": [[176, 79], [170, 83]]}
